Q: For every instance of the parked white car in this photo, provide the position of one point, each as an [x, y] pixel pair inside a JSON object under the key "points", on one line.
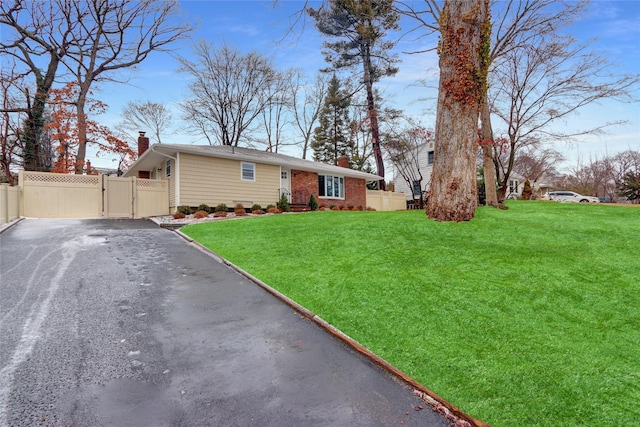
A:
{"points": [[569, 196]]}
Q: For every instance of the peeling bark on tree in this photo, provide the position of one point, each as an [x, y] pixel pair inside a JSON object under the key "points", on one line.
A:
{"points": [[453, 193]]}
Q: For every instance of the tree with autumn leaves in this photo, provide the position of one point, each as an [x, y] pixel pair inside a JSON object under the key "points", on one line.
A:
{"points": [[86, 42], [65, 127]]}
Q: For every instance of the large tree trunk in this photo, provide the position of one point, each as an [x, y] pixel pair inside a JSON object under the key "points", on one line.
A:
{"points": [[373, 118], [490, 180], [453, 193], [34, 156], [502, 190], [82, 134]]}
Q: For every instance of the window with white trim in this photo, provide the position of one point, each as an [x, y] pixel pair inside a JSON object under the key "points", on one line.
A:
{"points": [[331, 186], [167, 170], [248, 171], [430, 156]]}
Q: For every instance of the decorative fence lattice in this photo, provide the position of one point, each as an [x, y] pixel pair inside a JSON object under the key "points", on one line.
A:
{"points": [[151, 184], [60, 178]]}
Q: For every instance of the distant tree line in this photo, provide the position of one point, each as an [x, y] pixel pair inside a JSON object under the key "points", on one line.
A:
{"points": [[611, 177]]}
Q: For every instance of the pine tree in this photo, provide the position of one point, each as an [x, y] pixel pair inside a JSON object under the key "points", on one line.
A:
{"points": [[630, 187], [356, 32], [331, 137]]}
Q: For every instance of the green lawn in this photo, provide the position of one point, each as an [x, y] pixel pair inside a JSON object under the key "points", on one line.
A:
{"points": [[529, 316]]}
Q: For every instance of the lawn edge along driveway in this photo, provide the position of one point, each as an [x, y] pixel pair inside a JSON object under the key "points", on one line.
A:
{"points": [[436, 402]]}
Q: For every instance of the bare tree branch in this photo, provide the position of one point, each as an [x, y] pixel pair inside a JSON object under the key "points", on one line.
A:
{"points": [[306, 109], [115, 35], [230, 90], [144, 116], [546, 83]]}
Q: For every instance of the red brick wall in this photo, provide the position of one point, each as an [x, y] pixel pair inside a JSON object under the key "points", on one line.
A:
{"points": [[143, 145], [303, 185], [355, 190]]}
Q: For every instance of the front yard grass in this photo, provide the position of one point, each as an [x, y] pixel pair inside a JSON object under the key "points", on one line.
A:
{"points": [[523, 317]]}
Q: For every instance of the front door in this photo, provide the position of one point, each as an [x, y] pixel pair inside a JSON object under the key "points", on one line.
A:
{"points": [[285, 183]]}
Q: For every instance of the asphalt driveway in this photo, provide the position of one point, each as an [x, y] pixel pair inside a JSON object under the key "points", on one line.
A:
{"points": [[122, 323]]}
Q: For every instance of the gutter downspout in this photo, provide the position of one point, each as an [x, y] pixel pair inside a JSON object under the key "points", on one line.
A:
{"points": [[177, 172]]}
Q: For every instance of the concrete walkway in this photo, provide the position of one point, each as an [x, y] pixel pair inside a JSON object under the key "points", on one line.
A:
{"points": [[122, 323]]}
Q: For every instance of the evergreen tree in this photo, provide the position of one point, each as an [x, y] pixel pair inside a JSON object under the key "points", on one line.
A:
{"points": [[356, 32], [630, 187], [331, 137]]}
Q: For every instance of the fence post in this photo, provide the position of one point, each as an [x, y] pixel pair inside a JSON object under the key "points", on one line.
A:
{"points": [[103, 190], [20, 192], [4, 203], [134, 197]]}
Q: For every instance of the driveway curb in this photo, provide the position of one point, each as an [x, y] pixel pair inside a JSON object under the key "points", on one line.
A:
{"points": [[9, 224], [437, 403]]}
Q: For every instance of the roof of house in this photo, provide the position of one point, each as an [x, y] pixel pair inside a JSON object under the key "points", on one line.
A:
{"points": [[158, 152]]}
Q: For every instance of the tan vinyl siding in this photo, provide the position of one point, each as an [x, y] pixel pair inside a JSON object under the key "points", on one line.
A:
{"points": [[213, 181], [161, 173]]}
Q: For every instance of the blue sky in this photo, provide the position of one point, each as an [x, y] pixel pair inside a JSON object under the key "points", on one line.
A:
{"points": [[256, 25]]}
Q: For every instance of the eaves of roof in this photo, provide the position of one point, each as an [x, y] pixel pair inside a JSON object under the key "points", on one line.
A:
{"points": [[159, 152]]}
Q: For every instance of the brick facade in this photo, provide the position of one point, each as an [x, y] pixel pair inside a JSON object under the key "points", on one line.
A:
{"points": [[303, 184], [143, 145], [355, 191]]}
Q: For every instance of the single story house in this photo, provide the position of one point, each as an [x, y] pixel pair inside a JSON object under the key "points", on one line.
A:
{"points": [[232, 175]]}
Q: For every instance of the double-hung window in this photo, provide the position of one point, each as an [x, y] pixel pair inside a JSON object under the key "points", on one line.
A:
{"points": [[248, 171], [167, 170], [331, 186], [430, 155]]}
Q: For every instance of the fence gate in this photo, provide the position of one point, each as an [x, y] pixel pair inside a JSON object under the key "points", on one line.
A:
{"points": [[118, 197]]}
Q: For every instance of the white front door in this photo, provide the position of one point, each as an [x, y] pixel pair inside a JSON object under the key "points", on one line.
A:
{"points": [[285, 183]]}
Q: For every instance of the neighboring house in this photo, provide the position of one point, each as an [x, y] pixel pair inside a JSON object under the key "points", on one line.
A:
{"points": [[231, 175], [515, 187], [420, 161]]}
